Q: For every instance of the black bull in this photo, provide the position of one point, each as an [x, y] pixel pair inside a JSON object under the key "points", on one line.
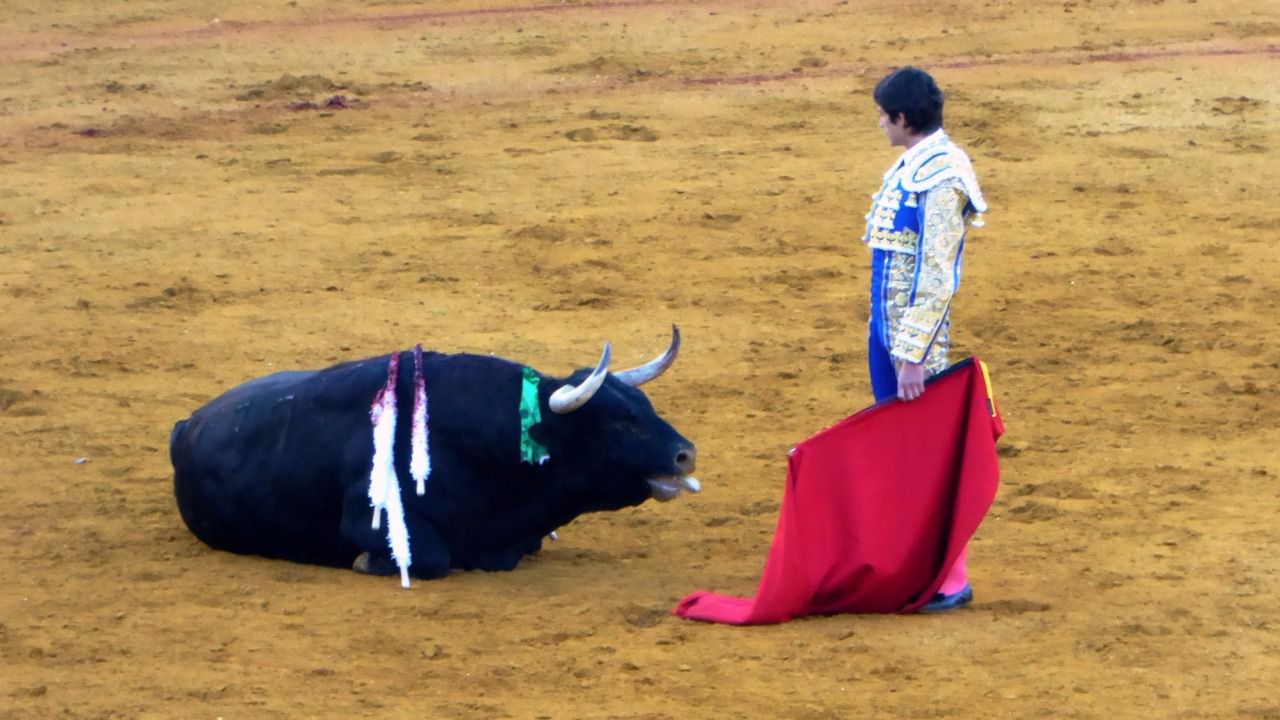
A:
{"points": [[280, 466]]}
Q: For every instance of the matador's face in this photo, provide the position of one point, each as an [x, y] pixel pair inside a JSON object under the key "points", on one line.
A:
{"points": [[895, 130]]}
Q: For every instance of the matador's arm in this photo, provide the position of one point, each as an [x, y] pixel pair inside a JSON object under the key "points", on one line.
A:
{"points": [[937, 271]]}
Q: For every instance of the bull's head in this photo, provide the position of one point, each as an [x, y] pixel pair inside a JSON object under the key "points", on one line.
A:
{"points": [[611, 431]]}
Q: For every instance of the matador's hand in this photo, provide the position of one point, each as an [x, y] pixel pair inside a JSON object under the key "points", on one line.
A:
{"points": [[910, 380]]}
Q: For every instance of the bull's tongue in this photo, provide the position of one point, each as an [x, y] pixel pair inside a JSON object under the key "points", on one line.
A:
{"points": [[670, 487]]}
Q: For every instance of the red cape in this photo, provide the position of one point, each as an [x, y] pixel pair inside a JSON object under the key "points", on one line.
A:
{"points": [[876, 507]]}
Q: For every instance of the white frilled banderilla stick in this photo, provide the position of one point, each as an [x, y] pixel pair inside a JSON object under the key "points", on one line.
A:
{"points": [[384, 486], [420, 460]]}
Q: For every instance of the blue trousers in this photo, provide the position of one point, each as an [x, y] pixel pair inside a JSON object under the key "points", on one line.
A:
{"points": [[884, 376]]}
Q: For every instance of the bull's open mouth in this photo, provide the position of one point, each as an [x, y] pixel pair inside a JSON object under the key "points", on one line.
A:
{"points": [[669, 487]]}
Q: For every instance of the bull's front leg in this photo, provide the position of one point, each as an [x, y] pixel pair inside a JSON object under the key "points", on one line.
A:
{"points": [[429, 555], [511, 533], [503, 557]]}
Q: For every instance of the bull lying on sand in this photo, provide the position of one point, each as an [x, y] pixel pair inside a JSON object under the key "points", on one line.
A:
{"points": [[289, 465]]}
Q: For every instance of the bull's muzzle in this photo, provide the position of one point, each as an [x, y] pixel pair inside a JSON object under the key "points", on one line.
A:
{"points": [[687, 459], [669, 487]]}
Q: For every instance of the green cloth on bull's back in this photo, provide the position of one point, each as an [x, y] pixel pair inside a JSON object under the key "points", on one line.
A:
{"points": [[530, 414]]}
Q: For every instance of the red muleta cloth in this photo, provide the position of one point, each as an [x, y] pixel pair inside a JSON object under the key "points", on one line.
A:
{"points": [[876, 507]]}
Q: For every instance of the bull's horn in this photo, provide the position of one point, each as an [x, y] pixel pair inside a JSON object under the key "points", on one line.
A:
{"points": [[636, 377], [569, 398]]}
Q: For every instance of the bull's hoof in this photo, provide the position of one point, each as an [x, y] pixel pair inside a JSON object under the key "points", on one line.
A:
{"points": [[361, 565], [367, 564]]}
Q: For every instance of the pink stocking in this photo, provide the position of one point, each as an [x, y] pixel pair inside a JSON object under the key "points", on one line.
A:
{"points": [[958, 575]]}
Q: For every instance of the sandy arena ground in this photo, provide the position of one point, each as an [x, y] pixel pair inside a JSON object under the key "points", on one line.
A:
{"points": [[193, 197]]}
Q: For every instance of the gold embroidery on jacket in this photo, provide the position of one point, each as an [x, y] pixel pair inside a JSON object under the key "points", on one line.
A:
{"points": [[899, 241], [882, 217], [933, 166], [914, 325]]}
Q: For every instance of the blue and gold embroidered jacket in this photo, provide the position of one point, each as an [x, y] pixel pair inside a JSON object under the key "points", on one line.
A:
{"points": [[916, 230]]}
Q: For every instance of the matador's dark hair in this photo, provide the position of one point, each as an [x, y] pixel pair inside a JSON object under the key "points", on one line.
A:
{"points": [[913, 93]]}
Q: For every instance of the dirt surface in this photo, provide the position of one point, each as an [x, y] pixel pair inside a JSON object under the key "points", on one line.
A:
{"points": [[190, 198]]}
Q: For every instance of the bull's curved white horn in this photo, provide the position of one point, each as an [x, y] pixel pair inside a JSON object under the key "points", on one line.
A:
{"points": [[570, 398], [636, 377]]}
